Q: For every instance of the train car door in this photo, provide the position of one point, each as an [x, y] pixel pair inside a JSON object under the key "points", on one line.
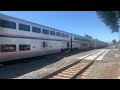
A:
{"points": [[68, 44], [44, 45]]}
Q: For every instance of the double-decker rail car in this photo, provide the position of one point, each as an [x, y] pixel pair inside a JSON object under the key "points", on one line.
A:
{"points": [[79, 42], [97, 44], [23, 39]]}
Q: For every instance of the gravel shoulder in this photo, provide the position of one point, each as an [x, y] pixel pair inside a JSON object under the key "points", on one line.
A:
{"points": [[108, 68]]}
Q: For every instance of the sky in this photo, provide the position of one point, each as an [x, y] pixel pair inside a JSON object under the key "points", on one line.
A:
{"points": [[76, 22]]}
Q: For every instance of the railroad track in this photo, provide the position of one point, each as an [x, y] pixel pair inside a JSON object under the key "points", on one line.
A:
{"points": [[73, 70]]}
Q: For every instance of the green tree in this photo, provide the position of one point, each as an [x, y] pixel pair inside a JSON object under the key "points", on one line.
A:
{"points": [[114, 42], [111, 20]]}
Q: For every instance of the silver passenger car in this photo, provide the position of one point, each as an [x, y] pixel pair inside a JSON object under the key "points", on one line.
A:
{"points": [[23, 39]]}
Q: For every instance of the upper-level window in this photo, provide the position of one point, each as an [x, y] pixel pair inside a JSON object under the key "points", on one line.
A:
{"points": [[7, 24], [63, 35], [36, 29], [75, 38], [80, 38], [45, 31], [83, 39], [24, 27], [52, 32], [67, 36], [57, 34]]}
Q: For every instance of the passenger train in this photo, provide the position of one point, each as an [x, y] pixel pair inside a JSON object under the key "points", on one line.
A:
{"points": [[23, 39]]}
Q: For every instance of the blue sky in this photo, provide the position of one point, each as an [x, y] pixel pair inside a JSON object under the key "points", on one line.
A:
{"points": [[77, 22]]}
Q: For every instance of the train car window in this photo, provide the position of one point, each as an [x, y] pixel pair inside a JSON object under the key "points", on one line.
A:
{"points": [[67, 36], [45, 31], [75, 38], [8, 48], [84, 45], [24, 47], [80, 39], [35, 29], [63, 35], [52, 32], [57, 34], [7, 24], [24, 27]]}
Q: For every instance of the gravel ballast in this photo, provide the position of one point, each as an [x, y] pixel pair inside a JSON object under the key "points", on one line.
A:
{"points": [[41, 67]]}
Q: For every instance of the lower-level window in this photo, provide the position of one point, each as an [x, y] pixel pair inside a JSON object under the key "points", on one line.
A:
{"points": [[24, 47], [8, 48], [85, 45]]}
